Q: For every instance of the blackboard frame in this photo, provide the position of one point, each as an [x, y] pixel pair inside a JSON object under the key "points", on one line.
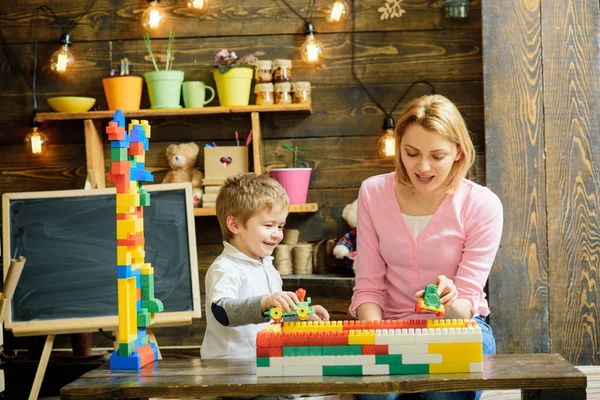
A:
{"points": [[90, 324]]}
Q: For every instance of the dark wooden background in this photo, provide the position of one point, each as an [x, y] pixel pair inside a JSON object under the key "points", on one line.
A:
{"points": [[342, 131]]}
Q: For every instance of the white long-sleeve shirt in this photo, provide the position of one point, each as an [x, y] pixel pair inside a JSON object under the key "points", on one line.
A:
{"points": [[236, 280]]}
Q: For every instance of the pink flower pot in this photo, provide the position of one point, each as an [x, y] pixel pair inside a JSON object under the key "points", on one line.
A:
{"points": [[295, 181]]}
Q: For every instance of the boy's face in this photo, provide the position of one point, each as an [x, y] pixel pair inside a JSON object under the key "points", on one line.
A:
{"points": [[262, 233]]}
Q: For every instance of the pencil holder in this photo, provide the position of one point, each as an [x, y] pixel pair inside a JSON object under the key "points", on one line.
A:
{"points": [[225, 161]]}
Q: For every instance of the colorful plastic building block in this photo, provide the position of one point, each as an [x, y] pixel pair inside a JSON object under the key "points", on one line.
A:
{"points": [[302, 311], [135, 278], [430, 302]]}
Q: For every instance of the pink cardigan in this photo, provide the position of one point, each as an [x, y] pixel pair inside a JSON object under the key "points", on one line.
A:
{"points": [[460, 241]]}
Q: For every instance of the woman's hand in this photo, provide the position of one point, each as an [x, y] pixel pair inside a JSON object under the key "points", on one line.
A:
{"points": [[320, 314], [283, 300], [446, 290]]}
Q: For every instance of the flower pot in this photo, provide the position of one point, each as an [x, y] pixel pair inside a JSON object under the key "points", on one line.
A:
{"points": [[123, 92], [295, 181], [164, 88], [233, 87]]}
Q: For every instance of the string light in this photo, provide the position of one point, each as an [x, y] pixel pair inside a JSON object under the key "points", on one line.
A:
{"points": [[152, 17], [197, 4], [386, 145], [35, 141], [387, 142], [312, 49], [62, 58], [337, 12]]}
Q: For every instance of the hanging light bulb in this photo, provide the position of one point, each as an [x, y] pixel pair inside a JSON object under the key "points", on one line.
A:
{"points": [[151, 17], [337, 12], [36, 140], [312, 49], [61, 58], [197, 4], [387, 142]]}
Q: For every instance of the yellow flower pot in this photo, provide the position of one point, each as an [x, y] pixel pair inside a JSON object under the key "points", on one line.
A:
{"points": [[233, 87]]}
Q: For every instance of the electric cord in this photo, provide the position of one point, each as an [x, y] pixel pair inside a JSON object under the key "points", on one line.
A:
{"points": [[310, 12]]}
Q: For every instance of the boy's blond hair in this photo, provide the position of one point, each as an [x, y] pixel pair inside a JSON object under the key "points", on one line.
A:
{"points": [[437, 114], [244, 195]]}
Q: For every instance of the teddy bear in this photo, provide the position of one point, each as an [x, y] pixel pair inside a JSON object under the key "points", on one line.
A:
{"points": [[182, 158], [345, 247]]}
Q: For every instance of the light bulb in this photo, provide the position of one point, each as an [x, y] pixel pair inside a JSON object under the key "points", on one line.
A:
{"points": [[61, 58], [312, 50], [337, 12], [197, 4], [387, 142], [35, 141], [151, 17]]}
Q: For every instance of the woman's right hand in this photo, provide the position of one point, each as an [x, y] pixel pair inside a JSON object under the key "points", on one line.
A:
{"points": [[283, 300]]}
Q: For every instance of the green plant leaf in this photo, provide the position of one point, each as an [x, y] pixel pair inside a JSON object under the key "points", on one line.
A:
{"points": [[224, 68]]}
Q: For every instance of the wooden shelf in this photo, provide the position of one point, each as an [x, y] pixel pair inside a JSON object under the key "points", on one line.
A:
{"points": [[148, 113], [294, 208]]}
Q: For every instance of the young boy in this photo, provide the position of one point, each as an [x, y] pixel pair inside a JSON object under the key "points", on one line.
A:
{"points": [[242, 283]]}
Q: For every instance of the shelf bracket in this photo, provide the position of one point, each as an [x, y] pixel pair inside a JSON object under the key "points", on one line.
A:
{"points": [[257, 150], [94, 153]]}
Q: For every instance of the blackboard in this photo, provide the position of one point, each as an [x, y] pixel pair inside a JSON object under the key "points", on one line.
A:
{"points": [[69, 283]]}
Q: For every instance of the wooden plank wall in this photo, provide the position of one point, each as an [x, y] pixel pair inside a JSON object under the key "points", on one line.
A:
{"points": [[342, 131], [543, 159]]}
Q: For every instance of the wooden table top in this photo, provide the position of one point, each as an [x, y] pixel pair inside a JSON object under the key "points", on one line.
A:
{"points": [[236, 377]]}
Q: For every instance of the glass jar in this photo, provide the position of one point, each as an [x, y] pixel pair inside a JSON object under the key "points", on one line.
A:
{"points": [[264, 93], [282, 70], [302, 93], [263, 71], [283, 93]]}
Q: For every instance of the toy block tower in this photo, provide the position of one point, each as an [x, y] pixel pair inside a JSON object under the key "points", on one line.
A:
{"points": [[135, 278]]}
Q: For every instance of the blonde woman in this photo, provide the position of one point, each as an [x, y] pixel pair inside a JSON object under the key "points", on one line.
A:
{"points": [[425, 224]]}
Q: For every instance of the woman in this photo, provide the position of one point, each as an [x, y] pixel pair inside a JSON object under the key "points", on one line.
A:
{"points": [[425, 224]]}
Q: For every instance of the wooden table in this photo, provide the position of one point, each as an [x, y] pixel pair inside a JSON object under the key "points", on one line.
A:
{"points": [[539, 376]]}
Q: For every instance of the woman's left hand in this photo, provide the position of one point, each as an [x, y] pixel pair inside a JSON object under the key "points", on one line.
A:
{"points": [[446, 290]]}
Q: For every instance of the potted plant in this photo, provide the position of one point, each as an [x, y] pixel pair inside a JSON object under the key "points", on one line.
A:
{"points": [[164, 86], [123, 91], [295, 180], [233, 77]]}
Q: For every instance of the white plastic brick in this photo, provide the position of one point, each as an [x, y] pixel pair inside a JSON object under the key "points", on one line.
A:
{"points": [[269, 371], [303, 371], [381, 369], [422, 359], [368, 359], [476, 367], [408, 349]]}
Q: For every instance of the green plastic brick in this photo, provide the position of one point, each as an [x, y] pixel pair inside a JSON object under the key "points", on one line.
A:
{"points": [[263, 362], [118, 154], [342, 350], [334, 370], [409, 369], [391, 359]]}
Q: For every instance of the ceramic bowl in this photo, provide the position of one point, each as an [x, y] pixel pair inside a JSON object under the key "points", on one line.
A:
{"points": [[71, 103]]}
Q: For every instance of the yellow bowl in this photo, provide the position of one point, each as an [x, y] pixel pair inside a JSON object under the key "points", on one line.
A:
{"points": [[71, 103]]}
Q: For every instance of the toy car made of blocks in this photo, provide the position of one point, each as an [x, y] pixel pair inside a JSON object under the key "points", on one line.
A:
{"points": [[430, 302], [302, 311]]}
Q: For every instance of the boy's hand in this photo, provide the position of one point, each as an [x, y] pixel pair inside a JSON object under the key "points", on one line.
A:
{"points": [[283, 300], [320, 314]]}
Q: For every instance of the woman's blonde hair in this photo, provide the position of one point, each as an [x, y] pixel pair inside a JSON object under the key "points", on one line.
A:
{"points": [[436, 114], [244, 195]]}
